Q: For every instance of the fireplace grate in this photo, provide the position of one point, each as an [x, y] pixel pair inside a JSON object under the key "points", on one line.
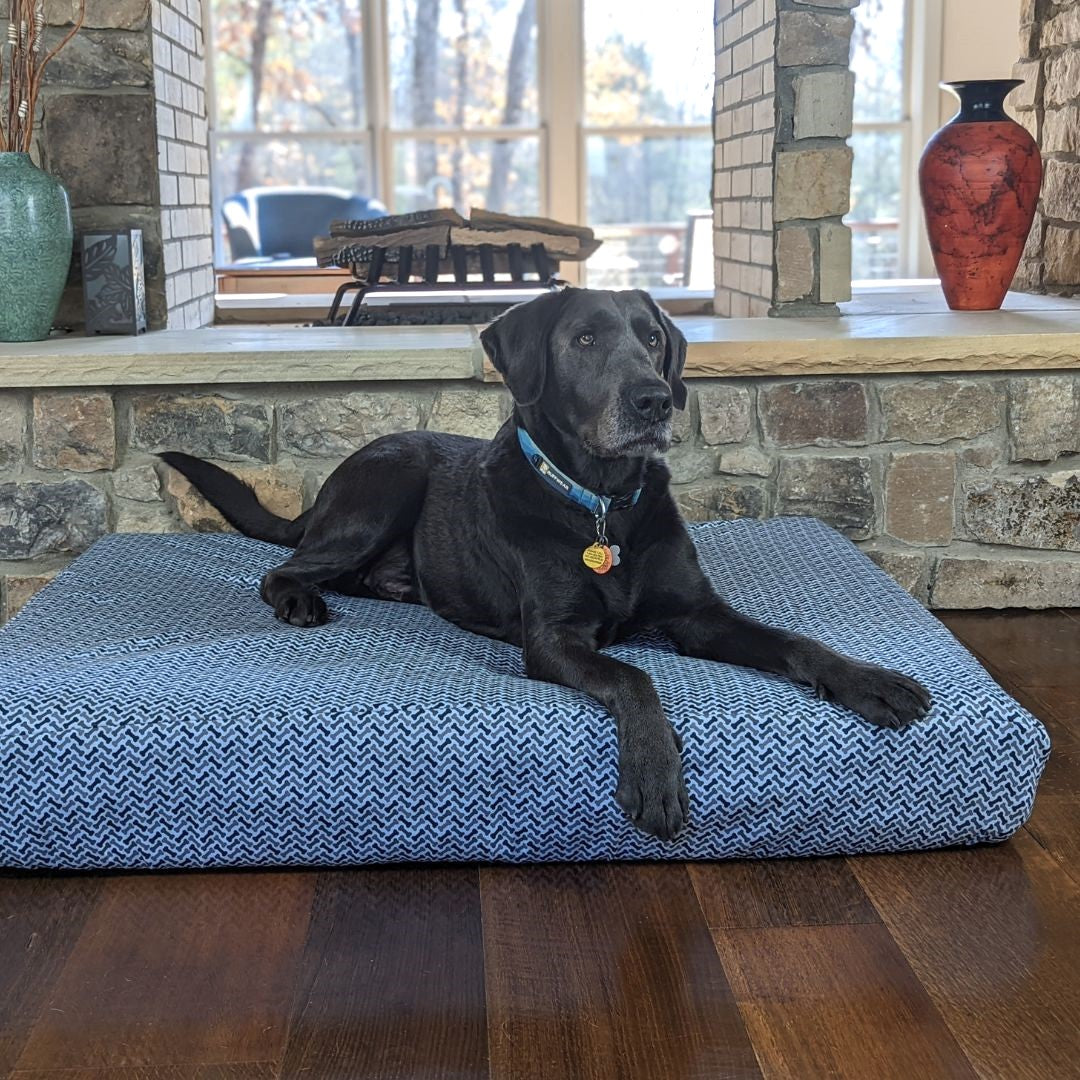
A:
{"points": [[401, 266]]}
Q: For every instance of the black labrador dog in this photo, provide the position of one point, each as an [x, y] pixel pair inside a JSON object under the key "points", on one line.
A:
{"points": [[559, 535]]}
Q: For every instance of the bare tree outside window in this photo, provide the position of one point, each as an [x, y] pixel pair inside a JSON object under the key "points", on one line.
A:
{"points": [[424, 48], [520, 68], [284, 66], [473, 68]]}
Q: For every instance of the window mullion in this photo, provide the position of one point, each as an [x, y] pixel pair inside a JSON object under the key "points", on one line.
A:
{"points": [[377, 89], [562, 91]]}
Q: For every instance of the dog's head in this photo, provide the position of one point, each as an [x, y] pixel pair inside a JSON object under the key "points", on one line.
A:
{"points": [[605, 368]]}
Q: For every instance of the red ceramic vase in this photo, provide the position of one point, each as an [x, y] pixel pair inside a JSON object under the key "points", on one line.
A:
{"points": [[979, 177]]}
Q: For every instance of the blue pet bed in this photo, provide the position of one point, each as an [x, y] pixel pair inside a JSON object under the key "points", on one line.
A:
{"points": [[154, 714]]}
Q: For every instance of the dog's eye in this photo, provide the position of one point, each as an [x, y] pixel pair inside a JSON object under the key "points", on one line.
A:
{"points": [[654, 339], [586, 339]]}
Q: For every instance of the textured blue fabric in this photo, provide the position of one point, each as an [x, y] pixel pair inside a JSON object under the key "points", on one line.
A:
{"points": [[153, 714]]}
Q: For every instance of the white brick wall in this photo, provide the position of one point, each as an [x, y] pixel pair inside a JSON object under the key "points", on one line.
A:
{"points": [[782, 166], [184, 161], [745, 128]]}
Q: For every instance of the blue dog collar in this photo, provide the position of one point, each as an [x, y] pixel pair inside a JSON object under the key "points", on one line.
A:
{"points": [[597, 505]]}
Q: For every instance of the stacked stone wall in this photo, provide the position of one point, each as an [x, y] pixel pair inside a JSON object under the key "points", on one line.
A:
{"points": [[96, 135], [122, 124], [1048, 104], [965, 488], [812, 180]]}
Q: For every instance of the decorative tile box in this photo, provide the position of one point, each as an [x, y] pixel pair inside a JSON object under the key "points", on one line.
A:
{"points": [[114, 284]]}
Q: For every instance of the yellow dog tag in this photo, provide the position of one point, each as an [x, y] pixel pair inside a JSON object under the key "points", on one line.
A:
{"points": [[600, 558], [597, 558]]}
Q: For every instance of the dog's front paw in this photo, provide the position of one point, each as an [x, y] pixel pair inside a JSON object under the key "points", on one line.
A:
{"points": [[883, 697], [301, 609], [651, 788]]}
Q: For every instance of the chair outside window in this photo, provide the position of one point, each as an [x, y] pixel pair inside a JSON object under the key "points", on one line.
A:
{"points": [[275, 224]]}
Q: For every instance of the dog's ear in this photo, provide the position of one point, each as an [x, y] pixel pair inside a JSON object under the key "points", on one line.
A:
{"points": [[517, 344], [674, 352]]}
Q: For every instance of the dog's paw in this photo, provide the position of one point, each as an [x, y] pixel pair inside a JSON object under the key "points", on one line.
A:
{"points": [[651, 788], [885, 698], [302, 609]]}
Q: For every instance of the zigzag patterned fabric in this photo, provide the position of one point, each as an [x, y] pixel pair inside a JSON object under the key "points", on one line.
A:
{"points": [[154, 714]]}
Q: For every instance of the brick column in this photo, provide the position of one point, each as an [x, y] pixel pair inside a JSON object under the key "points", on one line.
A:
{"points": [[1048, 104], [784, 97], [744, 127], [183, 162]]}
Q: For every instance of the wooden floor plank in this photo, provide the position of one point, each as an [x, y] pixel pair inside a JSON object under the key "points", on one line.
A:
{"points": [[836, 1001], [41, 918], [263, 1070], [177, 969], [393, 978], [599, 972], [1055, 821], [1055, 825], [1035, 648], [780, 892], [992, 934], [1060, 713]]}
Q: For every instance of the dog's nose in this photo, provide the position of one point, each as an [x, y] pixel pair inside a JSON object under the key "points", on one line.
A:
{"points": [[652, 402]]}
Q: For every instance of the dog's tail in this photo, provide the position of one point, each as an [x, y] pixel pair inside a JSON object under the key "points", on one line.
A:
{"points": [[236, 501]]}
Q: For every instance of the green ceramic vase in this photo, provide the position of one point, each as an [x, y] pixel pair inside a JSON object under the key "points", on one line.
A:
{"points": [[35, 248]]}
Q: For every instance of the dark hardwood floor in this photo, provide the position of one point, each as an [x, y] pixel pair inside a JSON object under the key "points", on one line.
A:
{"points": [[947, 964]]}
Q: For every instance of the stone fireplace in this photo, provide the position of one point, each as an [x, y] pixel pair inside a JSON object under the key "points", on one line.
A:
{"points": [[945, 445], [124, 126]]}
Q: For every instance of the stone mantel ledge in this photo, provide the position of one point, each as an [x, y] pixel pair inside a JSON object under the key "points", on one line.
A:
{"points": [[245, 354], [862, 344]]}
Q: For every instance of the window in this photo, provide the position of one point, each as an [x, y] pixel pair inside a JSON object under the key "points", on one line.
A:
{"points": [[461, 73], [648, 101], [289, 100], [587, 110], [896, 57], [880, 140]]}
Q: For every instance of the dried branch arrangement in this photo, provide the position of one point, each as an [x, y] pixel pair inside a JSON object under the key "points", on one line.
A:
{"points": [[23, 60]]}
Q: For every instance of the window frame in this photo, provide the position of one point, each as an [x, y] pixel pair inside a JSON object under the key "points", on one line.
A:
{"points": [[561, 133], [926, 43]]}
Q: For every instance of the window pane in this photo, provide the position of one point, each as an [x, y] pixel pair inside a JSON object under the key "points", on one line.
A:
{"points": [[501, 175], [875, 204], [641, 193], [649, 64], [293, 65], [877, 58], [460, 64], [312, 164], [875, 251], [240, 163]]}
